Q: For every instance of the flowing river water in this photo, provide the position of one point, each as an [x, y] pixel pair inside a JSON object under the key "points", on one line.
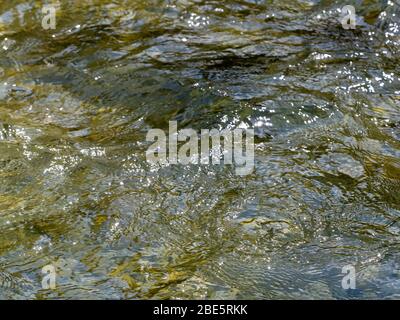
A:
{"points": [[77, 193]]}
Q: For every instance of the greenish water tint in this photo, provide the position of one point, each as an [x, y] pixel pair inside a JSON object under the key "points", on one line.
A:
{"points": [[75, 107]]}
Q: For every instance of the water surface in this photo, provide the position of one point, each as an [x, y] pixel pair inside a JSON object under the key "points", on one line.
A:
{"points": [[76, 190]]}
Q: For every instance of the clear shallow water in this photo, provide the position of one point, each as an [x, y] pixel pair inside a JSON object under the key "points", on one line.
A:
{"points": [[76, 104]]}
